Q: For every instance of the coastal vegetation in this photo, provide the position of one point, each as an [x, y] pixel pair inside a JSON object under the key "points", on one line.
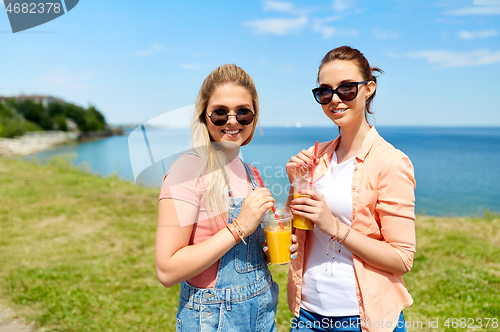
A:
{"points": [[77, 254], [22, 114]]}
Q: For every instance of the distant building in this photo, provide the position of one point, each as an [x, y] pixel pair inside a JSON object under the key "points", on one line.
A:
{"points": [[44, 100]]}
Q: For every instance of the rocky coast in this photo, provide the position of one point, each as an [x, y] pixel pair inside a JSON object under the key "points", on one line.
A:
{"points": [[34, 142]]}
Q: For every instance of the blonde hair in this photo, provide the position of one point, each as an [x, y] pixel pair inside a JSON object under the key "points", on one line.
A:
{"points": [[214, 162]]}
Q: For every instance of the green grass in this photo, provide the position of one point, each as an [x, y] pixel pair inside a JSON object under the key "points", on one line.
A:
{"points": [[77, 254]]}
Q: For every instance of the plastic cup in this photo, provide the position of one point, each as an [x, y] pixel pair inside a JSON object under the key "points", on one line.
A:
{"points": [[278, 239], [299, 184]]}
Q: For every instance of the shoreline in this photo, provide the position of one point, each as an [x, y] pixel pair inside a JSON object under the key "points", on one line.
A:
{"points": [[34, 142], [37, 141]]}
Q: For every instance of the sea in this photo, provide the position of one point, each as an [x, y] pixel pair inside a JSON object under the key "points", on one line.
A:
{"points": [[457, 169]]}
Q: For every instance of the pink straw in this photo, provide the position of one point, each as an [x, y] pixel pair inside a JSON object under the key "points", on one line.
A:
{"points": [[274, 209], [314, 164]]}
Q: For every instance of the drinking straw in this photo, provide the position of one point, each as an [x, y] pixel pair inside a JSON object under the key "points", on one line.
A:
{"points": [[274, 209], [314, 164]]}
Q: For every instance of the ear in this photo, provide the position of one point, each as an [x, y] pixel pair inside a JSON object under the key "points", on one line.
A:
{"points": [[370, 89]]}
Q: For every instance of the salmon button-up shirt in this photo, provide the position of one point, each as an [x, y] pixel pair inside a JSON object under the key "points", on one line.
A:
{"points": [[383, 199]]}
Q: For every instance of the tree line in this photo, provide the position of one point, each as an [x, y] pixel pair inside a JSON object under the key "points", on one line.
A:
{"points": [[18, 116]]}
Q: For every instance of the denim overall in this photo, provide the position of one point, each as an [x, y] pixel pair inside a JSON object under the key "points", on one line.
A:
{"points": [[244, 297]]}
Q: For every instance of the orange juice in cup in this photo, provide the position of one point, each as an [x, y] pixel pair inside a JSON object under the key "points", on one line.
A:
{"points": [[300, 184], [278, 237]]}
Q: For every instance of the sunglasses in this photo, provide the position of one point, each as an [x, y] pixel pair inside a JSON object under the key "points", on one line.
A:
{"points": [[219, 117], [347, 92]]}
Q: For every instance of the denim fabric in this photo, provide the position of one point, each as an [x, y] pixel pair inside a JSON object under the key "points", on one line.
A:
{"points": [[312, 322], [244, 297]]}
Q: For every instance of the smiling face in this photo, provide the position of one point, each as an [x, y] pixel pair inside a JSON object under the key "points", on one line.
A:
{"points": [[345, 114], [229, 98]]}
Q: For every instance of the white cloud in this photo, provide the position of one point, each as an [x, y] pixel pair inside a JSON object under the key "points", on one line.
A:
{"points": [[486, 2], [328, 19], [385, 34], [449, 59], [278, 6], [284, 7], [151, 50], [328, 31], [65, 78], [481, 7], [190, 66], [342, 5], [278, 26], [301, 19], [470, 35]]}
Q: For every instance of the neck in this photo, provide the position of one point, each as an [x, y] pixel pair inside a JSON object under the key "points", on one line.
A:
{"points": [[231, 150], [351, 141]]}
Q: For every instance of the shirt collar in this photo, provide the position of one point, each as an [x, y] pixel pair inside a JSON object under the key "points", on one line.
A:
{"points": [[326, 149], [367, 143]]}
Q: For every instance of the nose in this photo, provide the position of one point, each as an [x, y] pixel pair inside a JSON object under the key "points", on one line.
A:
{"points": [[231, 119], [336, 99]]}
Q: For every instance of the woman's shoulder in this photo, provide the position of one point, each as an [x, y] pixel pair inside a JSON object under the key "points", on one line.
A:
{"points": [[323, 146], [384, 153], [187, 165], [384, 147]]}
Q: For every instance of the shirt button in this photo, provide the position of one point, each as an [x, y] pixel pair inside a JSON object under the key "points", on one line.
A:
{"points": [[356, 168], [353, 187]]}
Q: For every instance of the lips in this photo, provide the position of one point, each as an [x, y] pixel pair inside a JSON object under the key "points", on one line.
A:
{"points": [[339, 110], [231, 131]]}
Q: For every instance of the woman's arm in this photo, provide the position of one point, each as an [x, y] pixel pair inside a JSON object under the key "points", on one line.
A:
{"points": [[395, 210], [378, 254], [176, 260]]}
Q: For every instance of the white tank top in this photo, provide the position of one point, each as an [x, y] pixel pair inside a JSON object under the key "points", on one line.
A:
{"points": [[329, 285]]}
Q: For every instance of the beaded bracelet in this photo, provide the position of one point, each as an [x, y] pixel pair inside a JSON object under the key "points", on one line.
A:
{"points": [[333, 241], [345, 237]]}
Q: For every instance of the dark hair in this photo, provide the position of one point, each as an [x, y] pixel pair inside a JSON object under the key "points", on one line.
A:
{"points": [[351, 54]]}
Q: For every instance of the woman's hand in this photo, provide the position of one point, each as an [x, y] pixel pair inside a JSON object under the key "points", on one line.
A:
{"points": [[315, 209], [254, 207], [300, 164]]}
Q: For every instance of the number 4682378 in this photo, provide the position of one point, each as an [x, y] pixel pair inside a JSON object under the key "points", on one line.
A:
{"points": [[34, 8], [471, 323]]}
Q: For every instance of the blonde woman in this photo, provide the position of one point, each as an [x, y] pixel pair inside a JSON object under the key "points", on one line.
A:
{"points": [[209, 237]]}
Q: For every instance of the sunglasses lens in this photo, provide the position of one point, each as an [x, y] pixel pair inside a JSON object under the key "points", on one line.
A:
{"points": [[347, 91], [219, 117], [323, 95], [244, 116]]}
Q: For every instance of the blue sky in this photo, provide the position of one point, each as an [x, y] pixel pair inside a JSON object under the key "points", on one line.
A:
{"points": [[136, 60]]}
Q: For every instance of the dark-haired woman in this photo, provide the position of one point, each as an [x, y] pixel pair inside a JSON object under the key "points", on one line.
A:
{"points": [[348, 272]]}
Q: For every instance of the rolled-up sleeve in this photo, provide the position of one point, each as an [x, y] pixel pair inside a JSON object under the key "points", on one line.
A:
{"points": [[396, 207]]}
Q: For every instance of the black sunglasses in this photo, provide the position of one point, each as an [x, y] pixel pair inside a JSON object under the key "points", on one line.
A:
{"points": [[347, 92], [219, 117]]}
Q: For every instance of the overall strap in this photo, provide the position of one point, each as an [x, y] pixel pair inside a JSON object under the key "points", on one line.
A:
{"points": [[249, 175]]}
